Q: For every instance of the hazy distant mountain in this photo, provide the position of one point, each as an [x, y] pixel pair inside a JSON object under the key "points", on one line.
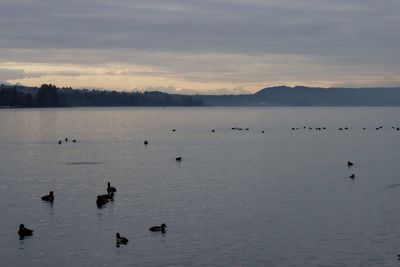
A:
{"points": [[309, 96]]}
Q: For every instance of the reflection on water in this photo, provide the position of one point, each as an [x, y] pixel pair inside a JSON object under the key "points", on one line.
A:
{"points": [[237, 198]]}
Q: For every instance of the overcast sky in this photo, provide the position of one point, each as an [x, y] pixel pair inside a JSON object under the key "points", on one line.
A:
{"points": [[204, 46]]}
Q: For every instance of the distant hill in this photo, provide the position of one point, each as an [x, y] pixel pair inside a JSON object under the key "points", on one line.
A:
{"points": [[309, 96]]}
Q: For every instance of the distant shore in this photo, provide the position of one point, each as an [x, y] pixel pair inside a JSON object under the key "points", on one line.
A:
{"points": [[51, 96]]}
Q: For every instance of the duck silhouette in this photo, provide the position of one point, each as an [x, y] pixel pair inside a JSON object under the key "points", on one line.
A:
{"points": [[349, 163], [49, 197], [158, 228], [111, 189], [120, 240], [104, 199], [22, 232]]}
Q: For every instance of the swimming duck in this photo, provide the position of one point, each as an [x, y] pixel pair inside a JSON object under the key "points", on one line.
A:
{"points": [[157, 228], [49, 197], [352, 176], [349, 163], [146, 142], [104, 199], [74, 141], [178, 159], [121, 240], [111, 189], [22, 232], [66, 139], [59, 142]]}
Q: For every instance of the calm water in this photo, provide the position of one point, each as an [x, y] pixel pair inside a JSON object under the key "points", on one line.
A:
{"points": [[238, 198]]}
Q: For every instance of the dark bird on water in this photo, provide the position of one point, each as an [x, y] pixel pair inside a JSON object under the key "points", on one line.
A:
{"points": [[59, 142], [49, 197], [158, 228], [104, 199], [212, 130], [173, 130], [146, 142], [349, 163], [66, 139], [352, 176], [22, 232], [178, 159], [74, 141], [121, 240], [111, 189]]}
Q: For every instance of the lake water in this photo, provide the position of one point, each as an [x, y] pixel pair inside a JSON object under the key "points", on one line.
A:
{"points": [[238, 198]]}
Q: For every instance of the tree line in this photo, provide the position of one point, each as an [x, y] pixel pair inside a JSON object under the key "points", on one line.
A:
{"points": [[49, 95]]}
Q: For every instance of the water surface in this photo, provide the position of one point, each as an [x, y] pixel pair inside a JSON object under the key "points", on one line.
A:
{"points": [[238, 198]]}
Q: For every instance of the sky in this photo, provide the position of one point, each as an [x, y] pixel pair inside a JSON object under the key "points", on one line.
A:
{"points": [[200, 46]]}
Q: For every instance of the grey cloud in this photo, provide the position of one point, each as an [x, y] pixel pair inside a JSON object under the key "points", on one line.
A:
{"points": [[297, 26], [11, 74]]}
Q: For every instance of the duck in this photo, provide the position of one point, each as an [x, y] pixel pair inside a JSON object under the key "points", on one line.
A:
{"points": [[49, 197], [146, 142], [158, 228], [74, 141], [173, 130], [349, 163], [22, 232], [104, 199], [59, 142], [111, 189], [212, 130], [66, 139], [178, 159], [121, 240], [352, 176], [262, 131]]}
